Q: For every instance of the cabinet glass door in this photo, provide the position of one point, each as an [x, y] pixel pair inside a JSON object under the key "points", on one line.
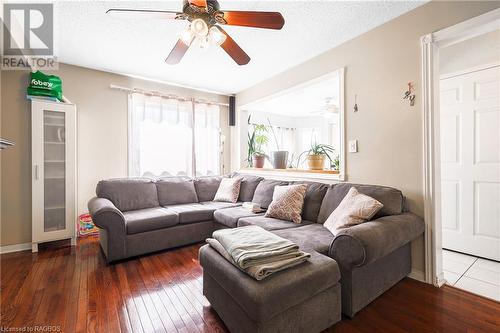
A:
{"points": [[54, 146]]}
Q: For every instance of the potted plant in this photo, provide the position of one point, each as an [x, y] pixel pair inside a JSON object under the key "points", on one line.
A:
{"points": [[256, 140], [317, 155], [279, 158]]}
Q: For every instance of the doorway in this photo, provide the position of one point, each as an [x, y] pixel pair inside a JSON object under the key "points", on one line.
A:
{"points": [[462, 155]]}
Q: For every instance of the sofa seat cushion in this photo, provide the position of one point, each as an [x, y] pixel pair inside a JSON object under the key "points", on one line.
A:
{"points": [[229, 216], [148, 219], [312, 237], [270, 223], [262, 300], [220, 204], [195, 212]]}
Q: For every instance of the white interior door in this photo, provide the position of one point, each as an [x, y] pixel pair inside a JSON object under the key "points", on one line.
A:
{"points": [[470, 162]]}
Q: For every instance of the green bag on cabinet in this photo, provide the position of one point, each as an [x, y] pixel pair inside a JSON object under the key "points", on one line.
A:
{"points": [[45, 85]]}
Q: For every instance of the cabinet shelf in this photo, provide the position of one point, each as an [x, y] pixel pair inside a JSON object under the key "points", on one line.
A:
{"points": [[48, 116], [54, 143], [54, 207], [54, 161]]}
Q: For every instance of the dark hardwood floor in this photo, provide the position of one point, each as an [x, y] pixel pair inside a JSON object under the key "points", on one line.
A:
{"points": [[73, 290]]}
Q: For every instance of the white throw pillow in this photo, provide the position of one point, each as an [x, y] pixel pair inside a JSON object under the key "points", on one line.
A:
{"points": [[287, 203], [229, 190], [354, 209]]}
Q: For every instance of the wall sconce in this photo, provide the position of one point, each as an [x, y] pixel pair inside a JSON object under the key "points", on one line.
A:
{"points": [[410, 94]]}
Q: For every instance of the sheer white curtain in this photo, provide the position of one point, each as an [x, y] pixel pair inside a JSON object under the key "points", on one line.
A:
{"points": [[285, 137], [286, 141], [306, 138], [207, 139], [160, 136]]}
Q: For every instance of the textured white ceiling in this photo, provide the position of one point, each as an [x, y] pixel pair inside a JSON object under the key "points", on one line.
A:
{"points": [[86, 36]]}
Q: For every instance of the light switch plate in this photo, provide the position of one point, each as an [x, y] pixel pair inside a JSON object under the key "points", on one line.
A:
{"points": [[353, 146]]}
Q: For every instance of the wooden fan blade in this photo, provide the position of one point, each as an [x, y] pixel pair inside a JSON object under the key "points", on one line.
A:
{"points": [[177, 53], [198, 3], [234, 50], [266, 20], [142, 13]]}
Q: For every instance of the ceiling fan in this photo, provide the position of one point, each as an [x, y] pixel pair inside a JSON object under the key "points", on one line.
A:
{"points": [[329, 109], [205, 19]]}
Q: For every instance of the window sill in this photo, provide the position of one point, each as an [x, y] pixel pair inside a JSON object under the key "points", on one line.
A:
{"points": [[295, 174]]}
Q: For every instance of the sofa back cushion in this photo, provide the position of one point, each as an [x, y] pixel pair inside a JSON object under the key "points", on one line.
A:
{"points": [[391, 198], [248, 185], [129, 193], [172, 191], [206, 187], [312, 202], [264, 192]]}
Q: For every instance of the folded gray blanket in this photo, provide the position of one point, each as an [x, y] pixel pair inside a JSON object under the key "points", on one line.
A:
{"points": [[257, 251]]}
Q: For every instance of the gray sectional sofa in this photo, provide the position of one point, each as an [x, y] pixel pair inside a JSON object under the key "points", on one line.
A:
{"points": [[138, 216]]}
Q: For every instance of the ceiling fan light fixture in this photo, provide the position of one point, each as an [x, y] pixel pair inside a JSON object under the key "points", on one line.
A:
{"points": [[202, 16], [216, 36], [203, 42], [199, 27], [186, 37]]}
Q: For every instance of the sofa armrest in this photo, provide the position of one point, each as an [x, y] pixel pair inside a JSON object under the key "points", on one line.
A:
{"points": [[113, 233], [366, 242], [105, 215]]}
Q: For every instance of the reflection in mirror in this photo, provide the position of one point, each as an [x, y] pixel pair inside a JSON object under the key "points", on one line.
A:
{"points": [[303, 123]]}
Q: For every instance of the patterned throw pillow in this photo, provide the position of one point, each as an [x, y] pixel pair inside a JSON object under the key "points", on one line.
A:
{"points": [[229, 190], [287, 203], [354, 209]]}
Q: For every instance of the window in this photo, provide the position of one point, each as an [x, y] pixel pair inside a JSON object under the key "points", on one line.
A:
{"points": [[207, 139], [293, 121], [168, 138]]}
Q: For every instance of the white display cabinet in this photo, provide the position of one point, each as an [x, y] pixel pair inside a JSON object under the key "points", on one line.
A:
{"points": [[53, 149]]}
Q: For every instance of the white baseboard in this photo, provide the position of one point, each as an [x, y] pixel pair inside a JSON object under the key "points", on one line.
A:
{"points": [[416, 274], [440, 281], [15, 248]]}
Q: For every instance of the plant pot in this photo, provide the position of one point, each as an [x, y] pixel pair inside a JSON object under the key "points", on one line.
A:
{"points": [[258, 161], [316, 162], [279, 159]]}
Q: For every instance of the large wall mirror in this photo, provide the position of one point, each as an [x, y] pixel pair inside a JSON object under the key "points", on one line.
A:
{"points": [[299, 131]]}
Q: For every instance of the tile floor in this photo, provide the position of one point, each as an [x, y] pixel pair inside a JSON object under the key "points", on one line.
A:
{"points": [[479, 276]]}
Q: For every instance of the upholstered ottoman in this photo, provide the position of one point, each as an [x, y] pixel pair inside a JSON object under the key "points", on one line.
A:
{"points": [[305, 298]]}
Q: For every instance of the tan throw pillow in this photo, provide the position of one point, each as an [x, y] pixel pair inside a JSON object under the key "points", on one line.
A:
{"points": [[354, 209], [287, 203], [229, 190]]}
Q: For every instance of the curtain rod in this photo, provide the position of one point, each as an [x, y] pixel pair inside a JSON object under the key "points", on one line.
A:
{"points": [[160, 94]]}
